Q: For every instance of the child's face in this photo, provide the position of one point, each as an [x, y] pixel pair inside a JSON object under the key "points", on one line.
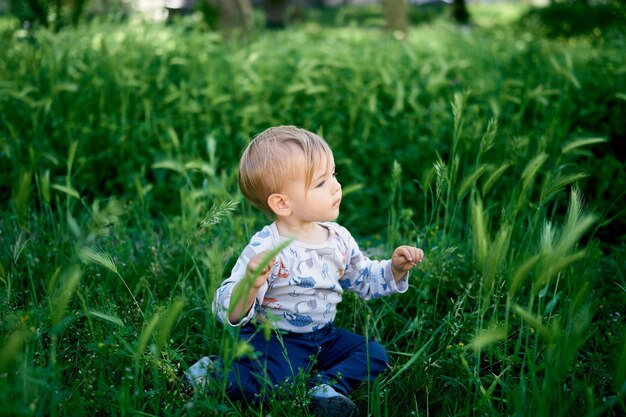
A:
{"points": [[320, 202]]}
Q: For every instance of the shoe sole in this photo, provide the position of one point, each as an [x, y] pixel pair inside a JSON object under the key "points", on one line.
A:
{"points": [[338, 406]]}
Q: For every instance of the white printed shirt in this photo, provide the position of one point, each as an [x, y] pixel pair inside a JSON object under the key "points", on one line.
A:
{"points": [[307, 281]]}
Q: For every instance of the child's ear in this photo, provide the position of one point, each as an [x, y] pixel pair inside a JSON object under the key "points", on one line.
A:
{"points": [[279, 204]]}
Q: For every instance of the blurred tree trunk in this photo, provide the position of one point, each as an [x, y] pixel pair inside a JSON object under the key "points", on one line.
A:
{"points": [[77, 12], [459, 12], [40, 11], [56, 13], [276, 13], [396, 15], [233, 14]]}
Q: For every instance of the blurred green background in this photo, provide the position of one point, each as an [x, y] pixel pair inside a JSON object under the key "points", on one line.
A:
{"points": [[491, 134]]}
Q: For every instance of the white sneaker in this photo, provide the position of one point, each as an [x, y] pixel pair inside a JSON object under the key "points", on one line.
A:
{"points": [[198, 374], [326, 402]]}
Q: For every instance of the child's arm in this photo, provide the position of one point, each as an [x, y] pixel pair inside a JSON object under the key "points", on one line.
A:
{"points": [[238, 290], [373, 278], [243, 305], [404, 258]]}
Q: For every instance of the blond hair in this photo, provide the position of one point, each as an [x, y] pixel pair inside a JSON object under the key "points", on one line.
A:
{"points": [[270, 159]]}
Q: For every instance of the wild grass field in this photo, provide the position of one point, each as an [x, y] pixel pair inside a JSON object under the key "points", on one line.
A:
{"points": [[496, 149]]}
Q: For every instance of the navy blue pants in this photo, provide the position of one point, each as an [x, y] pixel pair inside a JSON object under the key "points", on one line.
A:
{"points": [[331, 355]]}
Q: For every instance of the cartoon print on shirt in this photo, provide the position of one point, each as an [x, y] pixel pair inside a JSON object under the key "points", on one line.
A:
{"points": [[298, 320], [325, 271], [271, 303], [344, 283], [248, 252], [323, 292], [328, 306], [220, 296], [283, 272], [360, 281], [308, 263], [344, 261], [304, 282], [306, 287], [311, 305], [321, 252], [263, 234], [384, 285]]}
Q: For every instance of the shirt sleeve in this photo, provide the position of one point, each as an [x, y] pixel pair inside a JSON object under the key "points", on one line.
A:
{"points": [[224, 295], [369, 278]]}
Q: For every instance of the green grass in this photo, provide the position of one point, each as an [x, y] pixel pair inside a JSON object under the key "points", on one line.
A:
{"points": [[490, 148]]}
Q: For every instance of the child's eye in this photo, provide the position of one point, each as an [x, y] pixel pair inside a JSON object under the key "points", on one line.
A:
{"points": [[321, 184]]}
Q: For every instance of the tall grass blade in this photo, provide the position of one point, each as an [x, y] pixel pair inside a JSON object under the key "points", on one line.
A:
{"points": [[487, 337], [494, 177], [531, 169], [217, 213], [578, 143], [21, 197], [12, 348], [552, 187], [567, 71], [245, 285], [45, 186], [458, 108], [417, 355], [489, 137], [70, 160], [441, 177], [68, 190], [547, 238], [200, 166], [170, 164], [577, 222], [495, 259], [479, 231], [211, 151], [97, 256], [52, 284], [488, 393], [534, 321], [73, 224], [470, 181], [146, 333], [171, 133], [398, 105], [63, 293], [521, 273], [103, 219], [395, 199], [352, 188], [111, 318], [553, 265], [166, 323]]}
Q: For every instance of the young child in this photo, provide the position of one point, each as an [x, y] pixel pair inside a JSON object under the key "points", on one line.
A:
{"points": [[289, 174]]}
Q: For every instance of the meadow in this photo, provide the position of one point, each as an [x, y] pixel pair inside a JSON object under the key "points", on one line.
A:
{"points": [[494, 148]]}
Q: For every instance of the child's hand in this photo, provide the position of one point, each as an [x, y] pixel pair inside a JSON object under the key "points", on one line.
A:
{"points": [[264, 274], [403, 259]]}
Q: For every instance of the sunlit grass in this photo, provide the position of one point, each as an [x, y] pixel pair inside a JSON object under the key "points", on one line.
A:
{"points": [[119, 145]]}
